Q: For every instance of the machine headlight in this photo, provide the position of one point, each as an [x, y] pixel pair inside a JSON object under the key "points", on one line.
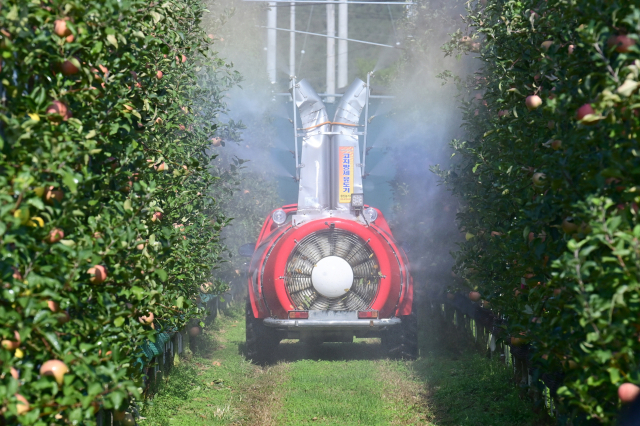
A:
{"points": [[357, 201], [371, 214], [279, 216]]}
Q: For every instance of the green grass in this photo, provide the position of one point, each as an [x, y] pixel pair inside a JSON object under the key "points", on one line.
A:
{"points": [[338, 384], [466, 388], [333, 393], [197, 392]]}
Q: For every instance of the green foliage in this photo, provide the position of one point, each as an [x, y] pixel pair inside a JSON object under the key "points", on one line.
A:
{"points": [[249, 204], [104, 139], [549, 199]]}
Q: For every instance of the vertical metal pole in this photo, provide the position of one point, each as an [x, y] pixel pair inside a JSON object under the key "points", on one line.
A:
{"points": [[295, 125], [292, 40], [366, 124], [343, 46], [272, 17], [331, 52]]}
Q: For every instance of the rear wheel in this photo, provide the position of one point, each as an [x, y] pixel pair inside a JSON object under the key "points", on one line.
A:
{"points": [[261, 341], [402, 342]]}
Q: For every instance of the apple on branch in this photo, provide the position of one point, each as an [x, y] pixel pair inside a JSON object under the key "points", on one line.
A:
{"points": [[533, 102], [55, 368], [98, 274]]}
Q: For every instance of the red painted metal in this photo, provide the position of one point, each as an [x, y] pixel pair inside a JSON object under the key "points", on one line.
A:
{"points": [[267, 292]]}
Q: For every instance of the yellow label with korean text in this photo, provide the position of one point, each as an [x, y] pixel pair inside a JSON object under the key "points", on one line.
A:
{"points": [[345, 173]]}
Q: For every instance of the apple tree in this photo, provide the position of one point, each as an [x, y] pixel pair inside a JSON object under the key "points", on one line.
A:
{"points": [[548, 175], [106, 231]]}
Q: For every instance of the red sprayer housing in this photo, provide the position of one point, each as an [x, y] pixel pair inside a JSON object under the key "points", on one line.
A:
{"points": [[327, 268], [268, 274]]}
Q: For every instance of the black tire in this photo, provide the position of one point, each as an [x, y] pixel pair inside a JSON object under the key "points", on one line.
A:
{"points": [[261, 341], [402, 342]]}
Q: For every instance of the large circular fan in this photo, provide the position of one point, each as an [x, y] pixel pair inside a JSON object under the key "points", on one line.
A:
{"points": [[332, 242]]}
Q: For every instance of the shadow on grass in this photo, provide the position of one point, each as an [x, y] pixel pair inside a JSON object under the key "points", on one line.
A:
{"points": [[466, 388], [292, 351], [361, 349]]}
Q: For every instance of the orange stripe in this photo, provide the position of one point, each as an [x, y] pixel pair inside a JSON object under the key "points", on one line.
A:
{"points": [[329, 122]]}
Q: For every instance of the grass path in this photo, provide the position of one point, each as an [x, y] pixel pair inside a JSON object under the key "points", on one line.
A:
{"points": [[335, 384]]}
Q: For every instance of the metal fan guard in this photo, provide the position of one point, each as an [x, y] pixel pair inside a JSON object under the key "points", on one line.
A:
{"points": [[332, 242]]}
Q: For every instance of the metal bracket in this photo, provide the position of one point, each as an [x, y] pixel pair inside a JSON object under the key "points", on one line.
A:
{"points": [[294, 86], [366, 122]]}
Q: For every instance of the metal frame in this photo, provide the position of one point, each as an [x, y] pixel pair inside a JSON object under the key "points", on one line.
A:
{"points": [[364, 133], [331, 325], [366, 124], [327, 36], [295, 126], [316, 3]]}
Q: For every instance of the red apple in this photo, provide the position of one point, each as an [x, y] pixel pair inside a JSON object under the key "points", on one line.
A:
{"points": [[533, 102], [17, 275], [162, 167], [63, 317], [23, 405], [539, 179], [55, 235], [68, 68], [147, 319], [54, 306], [216, 141], [194, 331], [583, 111], [55, 368], [98, 274], [627, 392], [474, 296], [10, 345], [159, 74], [556, 144], [15, 374], [623, 43], [568, 226], [58, 111], [517, 341], [51, 194], [60, 28], [156, 216], [546, 45], [571, 49]]}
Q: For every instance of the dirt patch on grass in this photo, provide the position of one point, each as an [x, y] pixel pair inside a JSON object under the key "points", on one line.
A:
{"points": [[262, 399], [404, 393]]}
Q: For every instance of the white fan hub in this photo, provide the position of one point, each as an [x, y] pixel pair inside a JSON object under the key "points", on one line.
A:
{"points": [[332, 277]]}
